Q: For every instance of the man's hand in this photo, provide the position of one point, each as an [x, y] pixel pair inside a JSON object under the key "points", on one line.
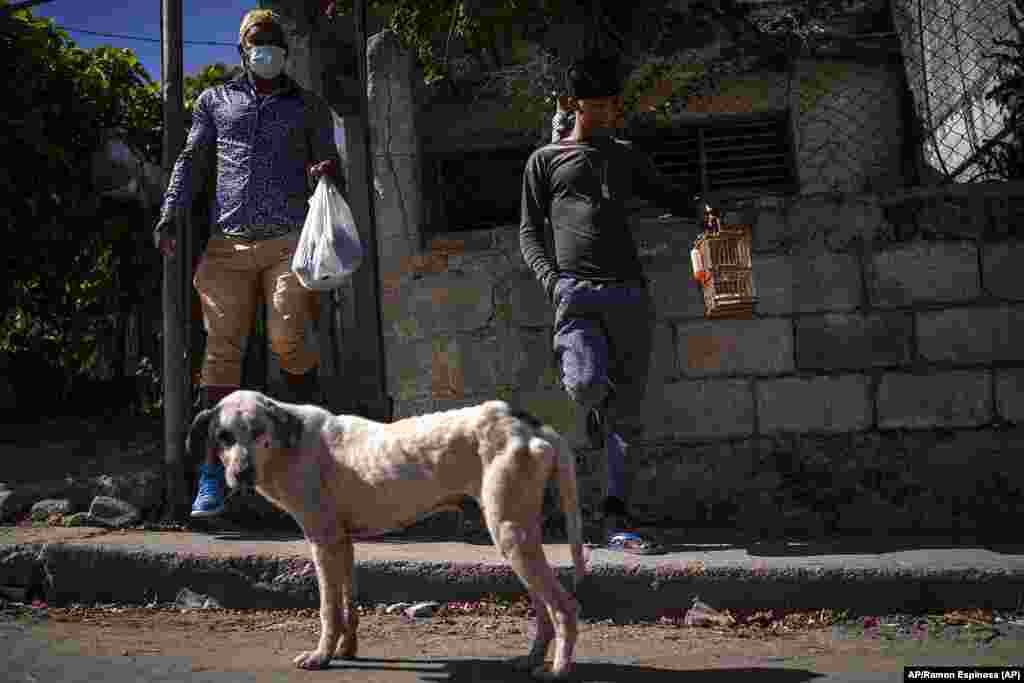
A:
{"points": [[324, 168], [329, 169]]}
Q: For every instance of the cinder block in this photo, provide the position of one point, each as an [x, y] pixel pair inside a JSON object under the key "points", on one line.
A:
{"points": [[846, 341], [772, 231], [527, 360], [699, 410], [761, 346], [675, 293], [961, 398], [924, 272], [972, 335], [856, 218], [1006, 211], [437, 304], [1010, 394], [964, 216], [817, 404], [445, 367], [807, 284], [1001, 264], [529, 305], [663, 243], [478, 364], [456, 303], [664, 355], [408, 366]]}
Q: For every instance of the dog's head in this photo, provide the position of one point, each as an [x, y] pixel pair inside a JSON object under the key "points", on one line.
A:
{"points": [[245, 431]]}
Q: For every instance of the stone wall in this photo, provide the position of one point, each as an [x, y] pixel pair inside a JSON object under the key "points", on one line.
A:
{"points": [[880, 385], [848, 124]]}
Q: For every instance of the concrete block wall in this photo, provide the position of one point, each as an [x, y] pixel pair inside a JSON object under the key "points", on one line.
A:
{"points": [[879, 386]]}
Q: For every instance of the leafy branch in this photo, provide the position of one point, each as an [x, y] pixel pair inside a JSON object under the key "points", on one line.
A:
{"points": [[1003, 157]]}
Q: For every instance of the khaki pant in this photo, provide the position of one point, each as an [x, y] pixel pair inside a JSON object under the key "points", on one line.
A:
{"points": [[232, 278]]}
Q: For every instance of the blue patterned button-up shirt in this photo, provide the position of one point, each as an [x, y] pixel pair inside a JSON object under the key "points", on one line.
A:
{"points": [[262, 146]]}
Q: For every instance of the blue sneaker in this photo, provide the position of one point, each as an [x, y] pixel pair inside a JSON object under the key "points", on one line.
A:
{"points": [[209, 501]]}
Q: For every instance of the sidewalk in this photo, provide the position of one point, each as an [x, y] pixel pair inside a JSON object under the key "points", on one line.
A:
{"points": [[259, 571]]}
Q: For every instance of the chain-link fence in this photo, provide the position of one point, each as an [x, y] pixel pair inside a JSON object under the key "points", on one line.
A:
{"points": [[948, 48], [856, 126], [880, 94]]}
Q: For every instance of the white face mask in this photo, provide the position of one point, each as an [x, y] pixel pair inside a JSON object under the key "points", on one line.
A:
{"points": [[266, 61]]}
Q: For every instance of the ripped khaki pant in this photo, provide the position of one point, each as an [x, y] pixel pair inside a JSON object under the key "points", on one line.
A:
{"points": [[232, 278]]}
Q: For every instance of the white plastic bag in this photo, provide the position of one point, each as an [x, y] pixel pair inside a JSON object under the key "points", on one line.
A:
{"points": [[329, 249]]}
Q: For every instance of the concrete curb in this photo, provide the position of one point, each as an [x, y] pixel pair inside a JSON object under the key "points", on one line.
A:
{"points": [[635, 588]]}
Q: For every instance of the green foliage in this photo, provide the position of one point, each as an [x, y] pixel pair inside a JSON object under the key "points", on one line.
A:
{"points": [[207, 77], [823, 80], [1005, 157], [66, 264], [655, 84], [421, 23]]}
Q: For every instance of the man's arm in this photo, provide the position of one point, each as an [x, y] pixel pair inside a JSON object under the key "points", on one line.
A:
{"points": [[190, 168], [563, 121], [651, 184], [321, 140], [535, 206]]}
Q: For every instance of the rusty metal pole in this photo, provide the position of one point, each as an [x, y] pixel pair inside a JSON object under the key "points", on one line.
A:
{"points": [[176, 375]]}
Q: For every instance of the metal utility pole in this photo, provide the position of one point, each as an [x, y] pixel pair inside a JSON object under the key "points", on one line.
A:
{"points": [[177, 373]]}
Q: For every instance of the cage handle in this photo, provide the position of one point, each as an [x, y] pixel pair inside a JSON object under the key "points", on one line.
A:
{"points": [[712, 220]]}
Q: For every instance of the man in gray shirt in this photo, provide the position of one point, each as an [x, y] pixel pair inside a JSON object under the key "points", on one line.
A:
{"points": [[604, 316]]}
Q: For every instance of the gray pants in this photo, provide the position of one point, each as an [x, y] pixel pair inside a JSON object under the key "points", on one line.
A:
{"points": [[603, 338]]}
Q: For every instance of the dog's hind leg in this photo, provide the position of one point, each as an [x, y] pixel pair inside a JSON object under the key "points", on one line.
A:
{"points": [[511, 496], [541, 640], [523, 549], [333, 572]]}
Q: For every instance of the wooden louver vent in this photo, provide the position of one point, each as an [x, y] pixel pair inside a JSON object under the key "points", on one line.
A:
{"points": [[730, 155]]}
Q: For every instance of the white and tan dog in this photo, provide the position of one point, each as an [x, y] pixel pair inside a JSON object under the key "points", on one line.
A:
{"points": [[341, 476]]}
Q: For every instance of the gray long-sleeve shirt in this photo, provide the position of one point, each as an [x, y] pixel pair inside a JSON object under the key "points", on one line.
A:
{"points": [[261, 147], [582, 188]]}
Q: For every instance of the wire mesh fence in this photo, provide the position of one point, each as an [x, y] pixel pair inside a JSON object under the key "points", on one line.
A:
{"points": [[948, 48], [882, 93]]}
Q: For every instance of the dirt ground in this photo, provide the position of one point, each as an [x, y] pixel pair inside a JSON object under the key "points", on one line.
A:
{"points": [[461, 643]]}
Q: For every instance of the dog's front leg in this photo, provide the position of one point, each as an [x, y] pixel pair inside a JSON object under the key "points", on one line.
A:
{"points": [[332, 560], [349, 613]]}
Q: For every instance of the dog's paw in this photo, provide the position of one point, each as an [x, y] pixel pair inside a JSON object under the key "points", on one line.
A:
{"points": [[312, 660]]}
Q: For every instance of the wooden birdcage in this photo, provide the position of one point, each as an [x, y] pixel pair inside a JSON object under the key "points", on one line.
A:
{"points": [[723, 266]]}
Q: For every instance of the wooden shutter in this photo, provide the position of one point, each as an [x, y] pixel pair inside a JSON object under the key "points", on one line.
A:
{"points": [[728, 155]]}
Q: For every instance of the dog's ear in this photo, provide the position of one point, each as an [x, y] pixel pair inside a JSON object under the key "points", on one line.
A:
{"points": [[286, 425], [199, 438]]}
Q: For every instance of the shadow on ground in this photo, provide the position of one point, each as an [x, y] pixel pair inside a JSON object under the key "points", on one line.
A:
{"points": [[497, 671]]}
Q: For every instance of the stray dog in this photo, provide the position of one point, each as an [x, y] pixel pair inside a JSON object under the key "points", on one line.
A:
{"points": [[342, 476]]}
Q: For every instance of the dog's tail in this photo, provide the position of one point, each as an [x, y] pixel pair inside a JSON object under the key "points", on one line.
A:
{"points": [[565, 463]]}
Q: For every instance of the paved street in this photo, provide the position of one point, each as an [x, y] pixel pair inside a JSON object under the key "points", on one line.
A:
{"points": [[171, 644]]}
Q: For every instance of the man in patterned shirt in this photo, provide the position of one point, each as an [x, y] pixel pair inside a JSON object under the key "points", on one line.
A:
{"points": [[604, 315], [268, 140]]}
